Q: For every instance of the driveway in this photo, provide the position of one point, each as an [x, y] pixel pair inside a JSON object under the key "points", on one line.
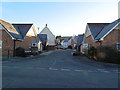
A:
{"points": [[59, 69]]}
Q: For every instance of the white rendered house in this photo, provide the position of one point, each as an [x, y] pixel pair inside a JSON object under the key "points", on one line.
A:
{"points": [[50, 36]]}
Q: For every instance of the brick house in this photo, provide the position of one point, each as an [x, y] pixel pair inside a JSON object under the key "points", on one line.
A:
{"points": [[65, 41], [16, 35], [79, 42], [102, 34], [74, 41]]}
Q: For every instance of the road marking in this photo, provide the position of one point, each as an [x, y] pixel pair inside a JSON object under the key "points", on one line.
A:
{"points": [[105, 71], [65, 69], [55, 69], [52, 69], [102, 70], [78, 70]]}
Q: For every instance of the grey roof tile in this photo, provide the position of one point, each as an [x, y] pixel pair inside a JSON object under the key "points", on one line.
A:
{"points": [[96, 28], [80, 39], [107, 29], [14, 35], [67, 38], [42, 38], [22, 29]]}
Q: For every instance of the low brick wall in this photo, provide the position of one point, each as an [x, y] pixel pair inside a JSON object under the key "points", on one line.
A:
{"points": [[51, 47]]}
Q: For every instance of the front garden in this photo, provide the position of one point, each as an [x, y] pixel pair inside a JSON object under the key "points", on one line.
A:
{"points": [[102, 54]]}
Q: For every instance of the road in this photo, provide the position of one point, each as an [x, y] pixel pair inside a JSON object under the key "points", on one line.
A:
{"points": [[59, 69]]}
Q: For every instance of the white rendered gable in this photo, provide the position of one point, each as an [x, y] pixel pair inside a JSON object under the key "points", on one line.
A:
{"points": [[50, 36]]}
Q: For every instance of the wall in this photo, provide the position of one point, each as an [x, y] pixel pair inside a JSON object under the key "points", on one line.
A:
{"points": [[50, 36], [8, 43], [26, 42], [112, 38]]}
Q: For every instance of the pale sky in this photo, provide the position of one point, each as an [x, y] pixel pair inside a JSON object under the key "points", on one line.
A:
{"points": [[63, 18]]}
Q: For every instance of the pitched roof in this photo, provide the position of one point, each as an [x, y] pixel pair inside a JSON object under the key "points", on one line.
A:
{"points": [[10, 30], [46, 30], [22, 29], [107, 29], [42, 38], [67, 38], [96, 28], [80, 39]]}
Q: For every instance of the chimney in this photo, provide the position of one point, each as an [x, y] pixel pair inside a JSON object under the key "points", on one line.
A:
{"points": [[46, 25]]}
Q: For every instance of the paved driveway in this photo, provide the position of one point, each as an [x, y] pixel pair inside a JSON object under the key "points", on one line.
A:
{"points": [[59, 69]]}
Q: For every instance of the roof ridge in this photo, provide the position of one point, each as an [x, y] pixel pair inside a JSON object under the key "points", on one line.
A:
{"points": [[48, 29], [107, 26]]}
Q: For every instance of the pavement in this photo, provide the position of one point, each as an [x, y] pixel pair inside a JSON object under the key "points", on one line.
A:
{"points": [[58, 69]]}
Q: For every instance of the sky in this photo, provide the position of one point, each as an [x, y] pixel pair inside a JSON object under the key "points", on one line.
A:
{"points": [[62, 18]]}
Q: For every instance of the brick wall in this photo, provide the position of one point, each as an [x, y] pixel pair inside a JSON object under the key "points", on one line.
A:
{"points": [[51, 47], [111, 39], [25, 43], [90, 41], [8, 43], [72, 43]]}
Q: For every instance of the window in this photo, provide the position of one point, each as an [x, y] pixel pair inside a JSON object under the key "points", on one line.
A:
{"points": [[118, 46], [29, 45], [85, 47]]}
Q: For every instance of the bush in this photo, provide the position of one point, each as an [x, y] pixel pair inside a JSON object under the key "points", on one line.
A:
{"points": [[70, 47], [92, 53], [20, 52], [76, 53], [108, 54], [64, 48]]}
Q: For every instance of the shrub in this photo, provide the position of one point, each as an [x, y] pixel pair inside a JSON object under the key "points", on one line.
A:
{"points": [[70, 47], [76, 53], [64, 48], [20, 52], [108, 54], [92, 53]]}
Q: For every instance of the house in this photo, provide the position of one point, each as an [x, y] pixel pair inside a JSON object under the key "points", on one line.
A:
{"points": [[74, 41], [69, 42], [102, 34], [79, 42], [28, 33], [65, 41], [42, 42], [110, 35], [60, 44], [50, 38], [17, 35]]}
